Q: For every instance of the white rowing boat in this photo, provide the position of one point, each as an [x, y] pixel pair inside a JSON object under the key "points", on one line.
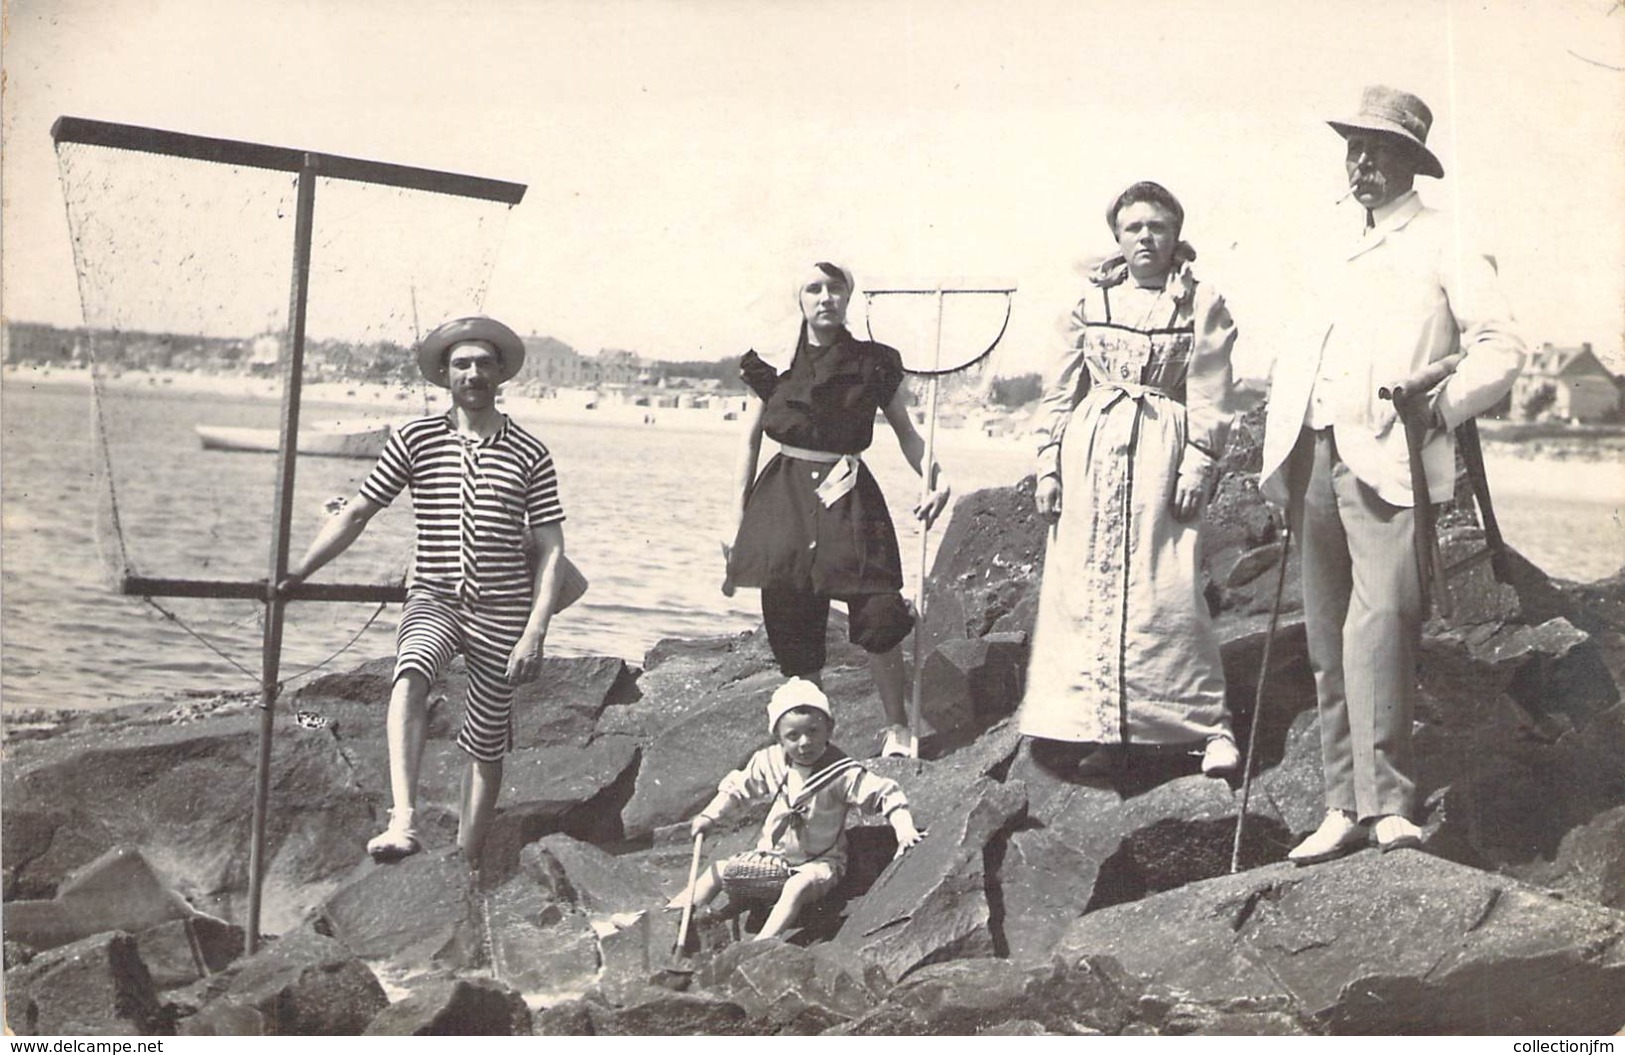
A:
{"points": [[356, 441]]}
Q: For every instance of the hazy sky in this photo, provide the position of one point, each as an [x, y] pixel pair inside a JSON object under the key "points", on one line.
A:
{"points": [[685, 159]]}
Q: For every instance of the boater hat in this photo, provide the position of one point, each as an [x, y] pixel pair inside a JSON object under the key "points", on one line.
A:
{"points": [[1399, 114], [433, 348]]}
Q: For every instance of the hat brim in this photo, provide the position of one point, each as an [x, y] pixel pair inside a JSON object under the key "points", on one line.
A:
{"points": [[433, 348], [1426, 163]]}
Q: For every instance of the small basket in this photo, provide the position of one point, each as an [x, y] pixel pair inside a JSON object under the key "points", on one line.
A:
{"points": [[755, 875]]}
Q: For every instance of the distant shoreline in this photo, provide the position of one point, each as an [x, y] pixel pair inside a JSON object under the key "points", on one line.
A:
{"points": [[1537, 459]]}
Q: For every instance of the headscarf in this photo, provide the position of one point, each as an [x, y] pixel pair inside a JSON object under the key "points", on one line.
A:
{"points": [[827, 270]]}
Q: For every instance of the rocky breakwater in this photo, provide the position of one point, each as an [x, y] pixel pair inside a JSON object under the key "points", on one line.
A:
{"points": [[1040, 901]]}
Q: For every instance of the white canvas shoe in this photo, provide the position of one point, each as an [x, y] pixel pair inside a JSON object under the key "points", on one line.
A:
{"points": [[1337, 835], [399, 840], [1394, 832], [900, 742], [1221, 757]]}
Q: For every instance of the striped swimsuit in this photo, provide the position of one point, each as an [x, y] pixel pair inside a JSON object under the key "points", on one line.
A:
{"points": [[474, 503]]}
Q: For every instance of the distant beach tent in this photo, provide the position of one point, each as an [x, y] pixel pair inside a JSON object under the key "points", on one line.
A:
{"points": [[188, 250]]}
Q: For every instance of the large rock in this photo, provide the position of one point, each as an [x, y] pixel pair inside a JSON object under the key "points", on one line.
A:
{"points": [[972, 997], [182, 951], [596, 882], [792, 989], [540, 945], [182, 796], [454, 1007], [117, 891], [969, 684], [1396, 943], [576, 790], [303, 984], [985, 575], [413, 912], [94, 987], [668, 1014], [932, 903]]}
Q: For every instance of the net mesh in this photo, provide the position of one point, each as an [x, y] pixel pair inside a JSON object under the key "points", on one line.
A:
{"points": [[963, 363], [184, 271]]}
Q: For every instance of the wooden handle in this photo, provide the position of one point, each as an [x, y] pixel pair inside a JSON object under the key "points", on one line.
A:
{"points": [[693, 880]]}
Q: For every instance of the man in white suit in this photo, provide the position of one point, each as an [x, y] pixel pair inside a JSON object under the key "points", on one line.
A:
{"points": [[1395, 293]]}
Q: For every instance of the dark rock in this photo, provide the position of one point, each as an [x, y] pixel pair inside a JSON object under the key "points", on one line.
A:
{"points": [[627, 948], [454, 1007], [668, 1014], [410, 912], [117, 891], [303, 984], [539, 944], [1396, 943], [972, 997], [932, 903], [577, 790], [1589, 863], [97, 986], [182, 951], [796, 990], [582, 875], [989, 560], [969, 684], [225, 1018], [180, 795], [16, 954], [570, 1018]]}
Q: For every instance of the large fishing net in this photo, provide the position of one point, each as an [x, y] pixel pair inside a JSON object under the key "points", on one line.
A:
{"points": [[185, 272]]}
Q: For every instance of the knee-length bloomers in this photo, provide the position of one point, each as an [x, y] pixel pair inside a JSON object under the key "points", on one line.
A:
{"points": [[1124, 649]]}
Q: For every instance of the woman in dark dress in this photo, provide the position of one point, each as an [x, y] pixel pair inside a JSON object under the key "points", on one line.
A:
{"points": [[814, 526]]}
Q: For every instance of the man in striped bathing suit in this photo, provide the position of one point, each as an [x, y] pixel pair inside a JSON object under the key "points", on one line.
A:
{"points": [[484, 491]]}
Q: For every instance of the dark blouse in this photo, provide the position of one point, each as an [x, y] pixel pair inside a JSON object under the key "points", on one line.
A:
{"points": [[827, 400]]}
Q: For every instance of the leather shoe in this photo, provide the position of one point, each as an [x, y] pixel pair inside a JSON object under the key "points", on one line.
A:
{"points": [[1337, 835], [1394, 832]]}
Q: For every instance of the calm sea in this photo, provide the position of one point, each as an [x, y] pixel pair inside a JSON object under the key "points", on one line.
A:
{"points": [[643, 504]]}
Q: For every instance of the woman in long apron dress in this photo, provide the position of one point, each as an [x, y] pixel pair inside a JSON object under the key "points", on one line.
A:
{"points": [[814, 526], [1131, 429]]}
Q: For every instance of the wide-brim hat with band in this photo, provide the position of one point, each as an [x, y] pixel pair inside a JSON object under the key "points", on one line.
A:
{"points": [[1398, 113], [433, 348]]}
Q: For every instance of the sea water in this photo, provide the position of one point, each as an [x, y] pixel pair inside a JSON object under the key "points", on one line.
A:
{"points": [[644, 503]]}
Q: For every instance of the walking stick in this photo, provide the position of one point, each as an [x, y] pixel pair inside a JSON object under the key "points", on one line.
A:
{"points": [[693, 880], [1258, 700]]}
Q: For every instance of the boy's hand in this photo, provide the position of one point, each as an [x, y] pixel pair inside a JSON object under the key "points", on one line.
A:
{"points": [[907, 834], [699, 824]]}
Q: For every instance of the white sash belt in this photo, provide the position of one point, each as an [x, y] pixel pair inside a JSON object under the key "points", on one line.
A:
{"points": [[841, 479]]}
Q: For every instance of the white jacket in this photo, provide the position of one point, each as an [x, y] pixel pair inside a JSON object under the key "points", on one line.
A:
{"points": [[1386, 305]]}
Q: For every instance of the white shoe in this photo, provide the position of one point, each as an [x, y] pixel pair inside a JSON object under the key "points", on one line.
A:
{"points": [[399, 840], [900, 742], [1394, 832], [1221, 757], [1337, 835]]}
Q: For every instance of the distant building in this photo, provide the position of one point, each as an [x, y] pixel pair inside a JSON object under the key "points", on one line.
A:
{"points": [[1569, 384]]}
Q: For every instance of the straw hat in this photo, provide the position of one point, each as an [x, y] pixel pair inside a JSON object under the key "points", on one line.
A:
{"points": [[1400, 114], [433, 348]]}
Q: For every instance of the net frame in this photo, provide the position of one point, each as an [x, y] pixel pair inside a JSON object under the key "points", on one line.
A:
{"points": [[308, 167]]}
